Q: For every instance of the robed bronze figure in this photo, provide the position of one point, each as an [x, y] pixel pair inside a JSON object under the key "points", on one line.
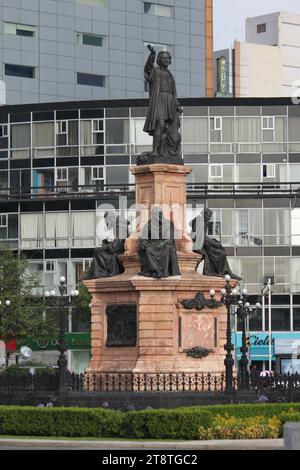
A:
{"points": [[105, 261], [215, 258], [157, 248], [163, 120]]}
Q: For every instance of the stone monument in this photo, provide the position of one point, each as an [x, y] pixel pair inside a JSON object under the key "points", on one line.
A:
{"points": [[157, 315]]}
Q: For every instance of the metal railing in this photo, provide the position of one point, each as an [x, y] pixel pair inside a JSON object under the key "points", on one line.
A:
{"points": [[203, 190], [28, 383], [278, 387]]}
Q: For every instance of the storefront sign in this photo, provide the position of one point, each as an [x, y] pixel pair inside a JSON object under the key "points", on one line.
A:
{"points": [[287, 346], [259, 344], [75, 341]]}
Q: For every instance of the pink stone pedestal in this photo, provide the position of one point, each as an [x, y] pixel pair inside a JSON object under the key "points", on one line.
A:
{"points": [[165, 330]]}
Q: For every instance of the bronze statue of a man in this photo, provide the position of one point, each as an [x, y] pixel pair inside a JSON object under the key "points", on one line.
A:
{"points": [[163, 114], [215, 258]]}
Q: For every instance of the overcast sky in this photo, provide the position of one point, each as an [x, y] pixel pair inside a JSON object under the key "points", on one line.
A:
{"points": [[230, 15]]}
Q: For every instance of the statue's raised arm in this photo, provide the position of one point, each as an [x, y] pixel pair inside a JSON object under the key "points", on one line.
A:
{"points": [[149, 66]]}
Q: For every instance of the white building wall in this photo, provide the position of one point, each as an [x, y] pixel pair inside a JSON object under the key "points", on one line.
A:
{"points": [[270, 37], [258, 70], [283, 30]]}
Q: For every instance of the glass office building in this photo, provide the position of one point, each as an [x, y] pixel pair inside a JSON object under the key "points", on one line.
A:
{"points": [[65, 50], [60, 162]]}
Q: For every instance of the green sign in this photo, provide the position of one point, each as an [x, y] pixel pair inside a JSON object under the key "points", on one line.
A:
{"points": [[222, 75], [81, 341]]}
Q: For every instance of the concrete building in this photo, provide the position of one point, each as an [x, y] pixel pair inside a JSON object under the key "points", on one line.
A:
{"points": [[60, 162], [62, 50], [268, 63]]}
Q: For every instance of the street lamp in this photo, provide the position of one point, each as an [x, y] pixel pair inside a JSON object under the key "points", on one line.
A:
{"points": [[243, 312], [62, 361], [228, 299]]}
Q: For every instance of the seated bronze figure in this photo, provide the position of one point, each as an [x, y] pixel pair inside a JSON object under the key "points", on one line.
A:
{"points": [[157, 248], [105, 261], [215, 258]]}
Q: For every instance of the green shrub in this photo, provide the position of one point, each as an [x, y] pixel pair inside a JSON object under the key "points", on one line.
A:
{"points": [[247, 410], [188, 423], [230, 427], [64, 422], [165, 423], [288, 417], [15, 370]]}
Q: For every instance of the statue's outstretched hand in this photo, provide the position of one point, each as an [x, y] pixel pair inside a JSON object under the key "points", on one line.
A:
{"points": [[151, 49]]}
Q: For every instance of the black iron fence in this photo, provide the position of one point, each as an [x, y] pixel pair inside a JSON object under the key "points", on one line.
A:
{"points": [[284, 385], [28, 383], [154, 382]]}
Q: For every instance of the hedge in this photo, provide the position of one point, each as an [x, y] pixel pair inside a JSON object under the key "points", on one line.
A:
{"points": [[247, 410], [165, 423], [287, 417], [177, 423], [64, 422]]}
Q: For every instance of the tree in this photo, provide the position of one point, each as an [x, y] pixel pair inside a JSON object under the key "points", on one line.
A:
{"points": [[81, 313], [25, 316]]}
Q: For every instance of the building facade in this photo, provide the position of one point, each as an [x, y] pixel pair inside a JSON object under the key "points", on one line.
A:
{"points": [[63, 164], [65, 50], [266, 64]]}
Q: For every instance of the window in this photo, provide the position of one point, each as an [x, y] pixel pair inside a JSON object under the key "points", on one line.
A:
{"points": [[9, 228], [158, 10], [20, 29], [31, 230], [214, 225], [97, 173], [3, 220], [19, 71], [97, 125], [83, 228], [195, 134], [98, 136], [276, 226], [216, 123], [62, 127], [43, 139], [90, 39], [216, 129], [280, 319], [248, 134], [268, 123], [261, 28], [20, 138], [50, 266], [66, 134], [117, 175], [269, 170], [117, 131], [3, 130], [90, 79], [61, 174], [216, 171], [92, 137], [56, 230]]}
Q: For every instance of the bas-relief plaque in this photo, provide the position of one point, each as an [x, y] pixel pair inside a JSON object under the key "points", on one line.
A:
{"points": [[197, 330], [121, 325]]}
